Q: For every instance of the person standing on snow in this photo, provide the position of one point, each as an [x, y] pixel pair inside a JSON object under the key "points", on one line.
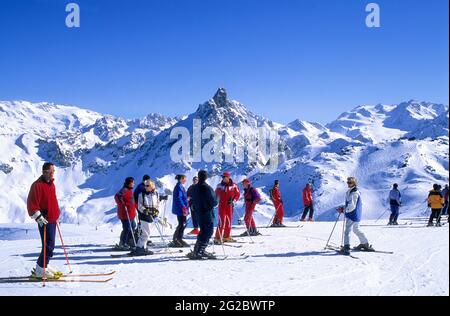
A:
{"points": [[126, 212], [445, 194], [228, 193], [42, 206], [148, 210], [353, 214], [395, 200], [436, 203], [194, 214], [180, 208], [204, 201], [308, 203], [275, 195], [252, 198]]}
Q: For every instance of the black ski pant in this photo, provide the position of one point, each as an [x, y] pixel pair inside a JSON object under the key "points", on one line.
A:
{"points": [[206, 223], [194, 217], [435, 213], [50, 236], [310, 209], [179, 232]]}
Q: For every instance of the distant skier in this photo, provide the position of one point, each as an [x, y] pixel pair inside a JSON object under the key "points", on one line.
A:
{"points": [[353, 214], [228, 193], [395, 200], [194, 214], [42, 205], [148, 210], [308, 203], [252, 198], [436, 203], [126, 212], [180, 207], [204, 201], [275, 195]]}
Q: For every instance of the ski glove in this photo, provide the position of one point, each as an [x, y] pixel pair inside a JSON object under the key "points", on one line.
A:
{"points": [[39, 218], [341, 210], [185, 211], [230, 202]]}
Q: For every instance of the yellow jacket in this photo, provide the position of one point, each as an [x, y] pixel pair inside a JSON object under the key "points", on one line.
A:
{"points": [[435, 200]]}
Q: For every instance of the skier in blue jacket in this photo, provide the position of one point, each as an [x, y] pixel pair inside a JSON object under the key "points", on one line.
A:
{"points": [[180, 208], [395, 200], [353, 214]]}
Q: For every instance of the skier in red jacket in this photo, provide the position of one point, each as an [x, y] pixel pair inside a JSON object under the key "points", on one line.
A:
{"points": [[252, 198], [227, 192], [275, 195], [308, 203], [42, 206], [126, 212]]}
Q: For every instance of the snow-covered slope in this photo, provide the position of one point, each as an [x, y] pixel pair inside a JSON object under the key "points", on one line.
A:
{"points": [[276, 265], [382, 144]]}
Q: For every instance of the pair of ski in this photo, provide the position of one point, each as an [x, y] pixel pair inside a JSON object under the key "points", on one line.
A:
{"points": [[339, 251], [242, 256], [156, 252], [66, 278], [281, 227]]}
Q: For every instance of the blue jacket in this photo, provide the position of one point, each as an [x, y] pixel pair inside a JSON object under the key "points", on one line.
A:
{"points": [[138, 191], [395, 197], [180, 200], [353, 205]]}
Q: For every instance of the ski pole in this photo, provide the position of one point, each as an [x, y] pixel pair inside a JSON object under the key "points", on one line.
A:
{"points": [[273, 217], [221, 236], [63, 246], [45, 256], [156, 222], [381, 215], [335, 223], [131, 228]]}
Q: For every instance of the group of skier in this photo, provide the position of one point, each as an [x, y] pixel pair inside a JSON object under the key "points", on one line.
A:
{"points": [[200, 200]]}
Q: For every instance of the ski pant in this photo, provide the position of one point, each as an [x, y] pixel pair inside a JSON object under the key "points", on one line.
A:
{"points": [[310, 209], [194, 217], [128, 228], [351, 225], [395, 212], [279, 213], [435, 213], [206, 224], [50, 236], [145, 234], [248, 219], [225, 220], [179, 232]]}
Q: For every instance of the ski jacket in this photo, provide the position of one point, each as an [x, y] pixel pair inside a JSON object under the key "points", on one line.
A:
{"points": [[180, 205], [138, 191], [203, 198], [42, 197], [435, 200], [227, 194], [147, 200], [189, 194], [276, 195], [307, 196], [125, 204], [395, 197], [252, 197], [444, 193], [353, 205]]}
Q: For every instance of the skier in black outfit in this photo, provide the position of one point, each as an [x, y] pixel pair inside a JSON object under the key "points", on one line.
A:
{"points": [[204, 201]]}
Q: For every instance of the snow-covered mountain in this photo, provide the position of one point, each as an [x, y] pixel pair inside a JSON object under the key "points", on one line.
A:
{"points": [[406, 143]]}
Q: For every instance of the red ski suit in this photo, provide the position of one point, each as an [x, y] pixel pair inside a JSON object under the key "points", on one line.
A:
{"points": [[278, 203], [125, 204], [227, 195], [252, 198], [42, 197], [307, 196]]}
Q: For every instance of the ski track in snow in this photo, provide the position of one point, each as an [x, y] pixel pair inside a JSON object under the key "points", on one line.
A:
{"points": [[288, 262]]}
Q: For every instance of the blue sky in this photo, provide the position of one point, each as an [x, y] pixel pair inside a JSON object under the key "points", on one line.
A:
{"points": [[308, 59]]}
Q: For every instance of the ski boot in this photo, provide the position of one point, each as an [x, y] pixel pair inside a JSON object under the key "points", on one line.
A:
{"points": [[430, 224], [254, 232], [364, 247], [303, 220], [175, 244], [121, 247], [217, 241], [229, 240], [150, 243], [395, 223], [438, 225], [38, 273], [244, 234], [141, 251], [195, 232], [345, 250], [311, 220]]}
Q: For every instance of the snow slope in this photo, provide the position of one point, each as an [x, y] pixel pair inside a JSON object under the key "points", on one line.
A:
{"points": [[276, 266]]}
